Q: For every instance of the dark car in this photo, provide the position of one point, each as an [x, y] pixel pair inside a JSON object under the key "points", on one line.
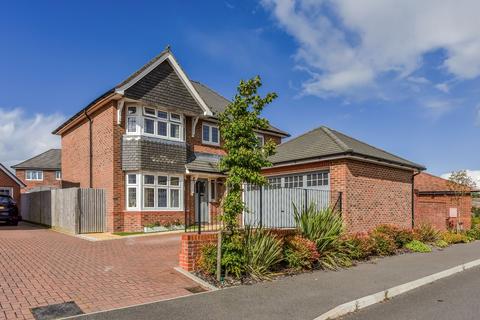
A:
{"points": [[9, 210]]}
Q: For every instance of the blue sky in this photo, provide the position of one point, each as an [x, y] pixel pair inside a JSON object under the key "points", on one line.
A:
{"points": [[396, 79]]}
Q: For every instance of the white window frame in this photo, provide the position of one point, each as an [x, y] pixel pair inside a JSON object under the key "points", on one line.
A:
{"points": [[140, 187], [58, 175], [38, 175], [10, 191], [141, 115], [209, 141], [213, 189], [304, 180]]}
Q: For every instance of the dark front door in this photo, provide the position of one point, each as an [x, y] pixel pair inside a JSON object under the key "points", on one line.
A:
{"points": [[201, 201]]}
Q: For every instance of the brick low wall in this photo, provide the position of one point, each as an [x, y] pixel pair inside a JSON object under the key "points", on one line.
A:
{"points": [[190, 248], [192, 243]]}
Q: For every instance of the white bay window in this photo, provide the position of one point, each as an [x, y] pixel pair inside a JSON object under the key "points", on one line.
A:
{"points": [[156, 123], [154, 191]]}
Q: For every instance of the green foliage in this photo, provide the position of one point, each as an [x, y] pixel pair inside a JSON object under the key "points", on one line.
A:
{"points": [[262, 252], [233, 255], [474, 233], [452, 237], [476, 219], [245, 158], [426, 233], [400, 236], [441, 243], [384, 244], [418, 246], [207, 262], [300, 253], [325, 228], [361, 246]]}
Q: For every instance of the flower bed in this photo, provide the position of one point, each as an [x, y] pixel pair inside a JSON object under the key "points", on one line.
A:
{"points": [[163, 227], [318, 243]]}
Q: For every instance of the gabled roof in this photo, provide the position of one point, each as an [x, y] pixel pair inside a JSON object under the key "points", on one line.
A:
{"points": [[323, 142], [48, 160], [12, 176], [209, 101]]}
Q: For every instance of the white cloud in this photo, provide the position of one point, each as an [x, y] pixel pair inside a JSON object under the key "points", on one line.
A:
{"points": [[474, 174], [23, 135], [437, 108], [370, 38], [418, 80], [443, 87]]}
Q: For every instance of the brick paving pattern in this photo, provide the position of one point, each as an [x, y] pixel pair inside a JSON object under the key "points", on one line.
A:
{"points": [[39, 267]]}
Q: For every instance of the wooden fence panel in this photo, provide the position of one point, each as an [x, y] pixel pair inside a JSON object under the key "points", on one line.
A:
{"points": [[72, 210]]}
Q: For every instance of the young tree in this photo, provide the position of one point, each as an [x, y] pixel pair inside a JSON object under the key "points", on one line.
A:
{"points": [[245, 158], [460, 183]]}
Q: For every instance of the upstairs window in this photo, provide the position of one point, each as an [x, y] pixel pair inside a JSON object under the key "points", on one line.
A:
{"points": [[34, 175], [153, 122], [210, 134], [261, 140], [58, 175]]}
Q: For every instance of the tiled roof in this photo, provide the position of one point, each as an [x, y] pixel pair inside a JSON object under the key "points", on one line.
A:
{"points": [[426, 182], [203, 162], [51, 160], [323, 142]]}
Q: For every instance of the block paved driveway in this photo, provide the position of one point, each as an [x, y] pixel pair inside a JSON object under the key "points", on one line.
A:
{"points": [[39, 267]]}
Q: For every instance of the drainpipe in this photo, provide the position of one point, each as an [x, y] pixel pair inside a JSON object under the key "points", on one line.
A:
{"points": [[413, 198], [90, 149]]}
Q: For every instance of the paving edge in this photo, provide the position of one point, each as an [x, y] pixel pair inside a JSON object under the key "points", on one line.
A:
{"points": [[369, 300], [196, 279]]}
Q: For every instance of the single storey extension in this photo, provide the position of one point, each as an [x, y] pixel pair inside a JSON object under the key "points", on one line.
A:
{"points": [[376, 186], [436, 204]]}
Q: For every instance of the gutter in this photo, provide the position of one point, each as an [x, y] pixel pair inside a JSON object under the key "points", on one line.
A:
{"points": [[90, 150], [413, 198]]}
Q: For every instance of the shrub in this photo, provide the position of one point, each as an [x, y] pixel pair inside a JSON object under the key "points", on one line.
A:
{"points": [[360, 245], [441, 243], [452, 238], [418, 246], [384, 244], [474, 233], [427, 234], [300, 253], [400, 236], [325, 228], [262, 251], [207, 262]]}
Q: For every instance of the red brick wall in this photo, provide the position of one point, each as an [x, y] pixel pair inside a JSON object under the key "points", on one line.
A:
{"points": [[372, 194], [191, 244], [134, 221], [6, 181], [48, 180], [434, 210], [106, 156]]}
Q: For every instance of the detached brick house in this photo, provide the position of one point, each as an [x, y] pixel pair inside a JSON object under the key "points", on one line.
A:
{"points": [[437, 205], [376, 186], [9, 184], [41, 172], [153, 143]]}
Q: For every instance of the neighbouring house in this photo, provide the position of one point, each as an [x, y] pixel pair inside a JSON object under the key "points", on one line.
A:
{"points": [[153, 143], [376, 186], [10, 184], [436, 204], [41, 172]]}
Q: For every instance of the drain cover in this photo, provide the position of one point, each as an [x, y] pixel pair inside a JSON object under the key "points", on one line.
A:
{"points": [[196, 289], [56, 311]]}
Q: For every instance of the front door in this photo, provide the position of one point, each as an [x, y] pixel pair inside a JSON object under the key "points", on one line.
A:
{"points": [[201, 201]]}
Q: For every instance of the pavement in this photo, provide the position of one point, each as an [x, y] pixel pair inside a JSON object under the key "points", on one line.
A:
{"points": [[40, 267], [455, 297], [304, 296]]}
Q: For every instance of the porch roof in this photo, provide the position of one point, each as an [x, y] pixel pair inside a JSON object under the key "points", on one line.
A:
{"points": [[202, 162]]}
